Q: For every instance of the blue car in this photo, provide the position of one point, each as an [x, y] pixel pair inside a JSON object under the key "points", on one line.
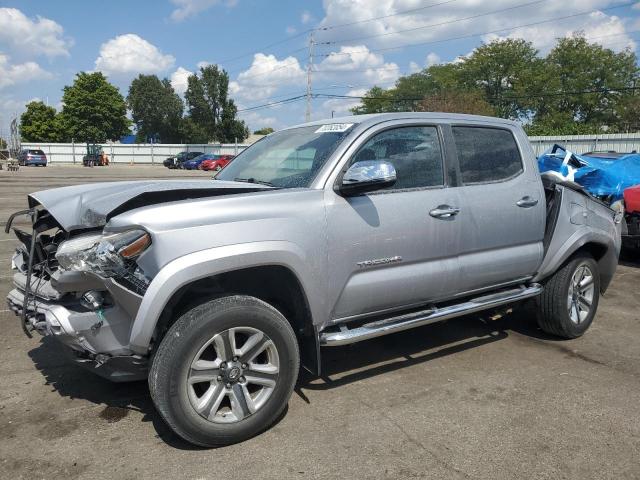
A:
{"points": [[194, 163]]}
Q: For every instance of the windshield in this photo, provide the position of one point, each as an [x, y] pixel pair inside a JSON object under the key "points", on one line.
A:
{"points": [[289, 158]]}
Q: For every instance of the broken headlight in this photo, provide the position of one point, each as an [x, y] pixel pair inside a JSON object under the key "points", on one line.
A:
{"points": [[111, 254]]}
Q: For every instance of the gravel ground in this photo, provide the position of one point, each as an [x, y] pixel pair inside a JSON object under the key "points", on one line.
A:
{"points": [[470, 398]]}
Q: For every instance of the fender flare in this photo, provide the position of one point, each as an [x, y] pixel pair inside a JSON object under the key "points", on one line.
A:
{"points": [[205, 263], [575, 242]]}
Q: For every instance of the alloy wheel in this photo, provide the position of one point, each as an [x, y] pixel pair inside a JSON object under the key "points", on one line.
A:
{"points": [[233, 375], [580, 295]]}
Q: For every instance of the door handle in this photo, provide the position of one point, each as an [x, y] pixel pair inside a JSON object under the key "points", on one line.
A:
{"points": [[527, 202], [444, 211]]}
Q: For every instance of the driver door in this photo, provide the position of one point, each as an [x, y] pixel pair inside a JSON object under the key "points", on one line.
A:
{"points": [[386, 251]]}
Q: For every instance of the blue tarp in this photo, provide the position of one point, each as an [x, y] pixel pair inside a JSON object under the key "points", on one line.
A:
{"points": [[603, 177]]}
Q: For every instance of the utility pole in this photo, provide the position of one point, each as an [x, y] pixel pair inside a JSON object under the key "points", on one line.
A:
{"points": [[307, 115]]}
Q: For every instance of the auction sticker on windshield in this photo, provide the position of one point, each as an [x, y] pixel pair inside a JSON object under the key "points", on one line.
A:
{"points": [[334, 127]]}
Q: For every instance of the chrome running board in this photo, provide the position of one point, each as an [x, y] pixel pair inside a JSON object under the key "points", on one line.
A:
{"points": [[424, 317]]}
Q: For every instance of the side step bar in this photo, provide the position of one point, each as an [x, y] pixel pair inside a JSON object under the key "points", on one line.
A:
{"points": [[425, 317]]}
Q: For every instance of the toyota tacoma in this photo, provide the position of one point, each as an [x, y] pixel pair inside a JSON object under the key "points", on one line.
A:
{"points": [[319, 235]]}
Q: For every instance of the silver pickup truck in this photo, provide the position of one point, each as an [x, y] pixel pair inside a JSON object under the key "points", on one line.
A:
{"points": [[319, 235]]}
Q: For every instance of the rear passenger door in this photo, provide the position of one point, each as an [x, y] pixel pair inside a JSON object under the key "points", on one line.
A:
{"points": [[502, 211]]}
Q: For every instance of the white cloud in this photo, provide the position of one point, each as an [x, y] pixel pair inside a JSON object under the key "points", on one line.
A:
{"points": [[432, 59], [19, 73], [363, 64], [189, 8], [441, 21], [265, 76], [179, 80], [256, 121], [131, 54], [598, 27], [305, 17], [39, 36], [290, 30], [339, 106]]}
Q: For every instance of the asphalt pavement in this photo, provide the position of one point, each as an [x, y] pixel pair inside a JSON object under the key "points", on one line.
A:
{"points": [[475, 397]]}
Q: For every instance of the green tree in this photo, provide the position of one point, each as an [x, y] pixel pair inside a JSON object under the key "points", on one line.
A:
{"points": [[40, 123], [264, 131], [587, 82], [376, 100], [409, 90], [502, 70], [94, 110], [191, 132], [156, 109], [210, 107], [454, 101]]}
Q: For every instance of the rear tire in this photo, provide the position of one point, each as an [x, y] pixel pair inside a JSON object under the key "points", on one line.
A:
{"points": [[206, 379], [570, 298]]}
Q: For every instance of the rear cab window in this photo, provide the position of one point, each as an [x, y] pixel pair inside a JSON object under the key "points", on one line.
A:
{"points": [[486, 154]]}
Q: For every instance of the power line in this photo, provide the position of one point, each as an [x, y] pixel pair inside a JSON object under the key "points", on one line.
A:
{"points": [[279, 42], [506, 97], [329, 27], [448, 22], [444, 40], [404, 12]]}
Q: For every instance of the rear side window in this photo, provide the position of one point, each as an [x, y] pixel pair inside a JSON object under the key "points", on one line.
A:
{"points": [[413, 151], [486, 154]]}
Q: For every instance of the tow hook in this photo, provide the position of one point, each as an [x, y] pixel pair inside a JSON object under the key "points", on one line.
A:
{"points": [[93, 300]]}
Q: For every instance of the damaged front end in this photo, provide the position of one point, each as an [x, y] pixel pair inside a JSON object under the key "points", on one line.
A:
{"points": [[82, 288]]}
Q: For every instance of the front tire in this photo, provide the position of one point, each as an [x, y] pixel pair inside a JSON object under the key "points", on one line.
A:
{"points": [[225, 370], [570, 298]]}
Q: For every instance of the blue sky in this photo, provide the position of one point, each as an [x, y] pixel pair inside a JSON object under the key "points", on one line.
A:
{"points": [[360, 43]]}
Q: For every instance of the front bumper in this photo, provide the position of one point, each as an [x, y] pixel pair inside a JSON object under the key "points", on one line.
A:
{"points": [[99, 343]]}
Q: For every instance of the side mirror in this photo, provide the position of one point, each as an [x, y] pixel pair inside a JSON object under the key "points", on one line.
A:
{"points": [[367, 176]]}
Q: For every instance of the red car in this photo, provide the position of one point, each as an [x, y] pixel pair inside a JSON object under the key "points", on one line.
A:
{"points": [[216, 162], [631, 228]]}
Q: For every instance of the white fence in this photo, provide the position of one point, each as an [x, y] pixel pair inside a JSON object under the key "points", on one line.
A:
{"points": [[138, 153], [145, 153], [619, 142]]}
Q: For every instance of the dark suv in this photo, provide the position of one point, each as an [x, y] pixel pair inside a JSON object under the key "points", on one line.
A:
{"points": [[179, 159], [35, 157]]}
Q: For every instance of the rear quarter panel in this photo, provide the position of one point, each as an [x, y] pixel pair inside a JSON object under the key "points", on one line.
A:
{"points": [[582, 221]]}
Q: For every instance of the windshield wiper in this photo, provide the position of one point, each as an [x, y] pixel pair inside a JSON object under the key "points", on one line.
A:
{"points": [[253, 180]]}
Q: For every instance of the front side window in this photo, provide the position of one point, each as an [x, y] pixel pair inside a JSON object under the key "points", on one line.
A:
{"points": [[486, 154], [414, 152], [289, 158]]}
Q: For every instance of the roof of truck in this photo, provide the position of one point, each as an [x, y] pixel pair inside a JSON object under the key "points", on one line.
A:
{"points": [[373, 118]]}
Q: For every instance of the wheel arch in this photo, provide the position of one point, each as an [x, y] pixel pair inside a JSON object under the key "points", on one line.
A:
{"points": [[273, 273], [598, 246]]}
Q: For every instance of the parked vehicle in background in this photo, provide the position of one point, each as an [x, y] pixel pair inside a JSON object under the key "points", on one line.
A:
{"points": [[177, 160], [216, 162], [631, 230], [95, 156], [32, 157], [323, 234], [194, 163]]}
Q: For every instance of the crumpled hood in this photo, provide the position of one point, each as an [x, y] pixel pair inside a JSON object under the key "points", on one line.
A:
{"points": [[91, 205]]}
